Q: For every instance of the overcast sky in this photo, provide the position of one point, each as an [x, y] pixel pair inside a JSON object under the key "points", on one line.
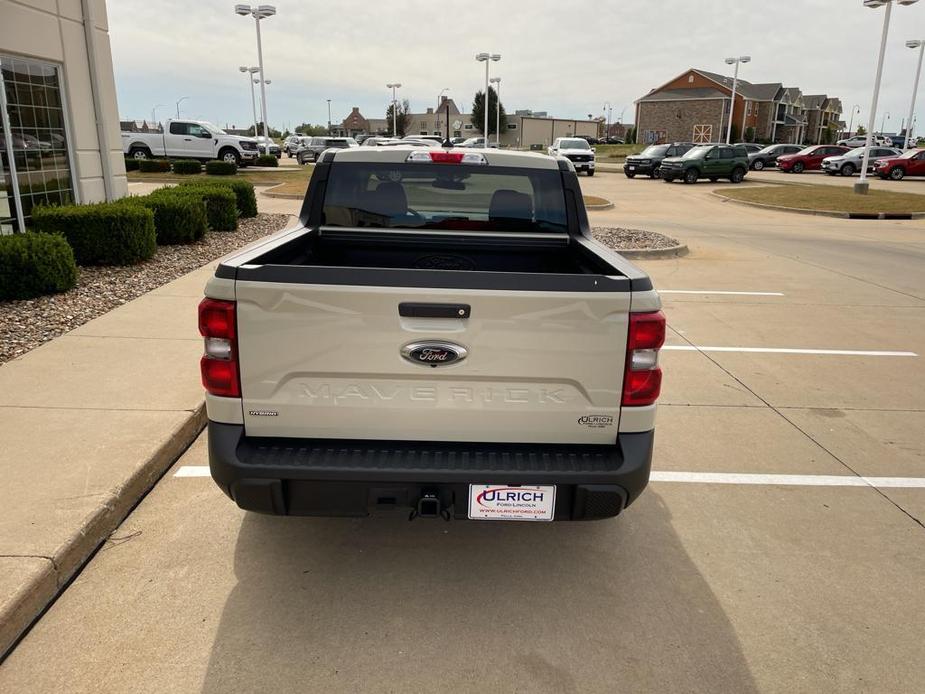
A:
{"points": [[567, 58]]}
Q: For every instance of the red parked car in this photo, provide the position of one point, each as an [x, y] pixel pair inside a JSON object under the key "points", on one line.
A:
{"points": [[809, 159], [911, 163]]}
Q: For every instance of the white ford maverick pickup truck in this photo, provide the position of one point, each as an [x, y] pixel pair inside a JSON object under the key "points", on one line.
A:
{"points": [[440, 332]]}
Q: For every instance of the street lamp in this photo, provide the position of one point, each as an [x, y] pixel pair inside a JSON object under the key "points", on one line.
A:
{"points": [[608, 109], [329, 115], [854, 109], [735, 82], [485, 58], [862, 185], [154, 112], [915, 87], [497, 82], [259, 12], [180, 101], [393, 86], [886, 117], [248, 71]]}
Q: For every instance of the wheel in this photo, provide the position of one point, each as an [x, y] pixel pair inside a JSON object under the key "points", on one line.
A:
{"points": [[289, 154], [230, 155], [629, 174], [691, 176], [656, 172], [847, 169], [140, 153], [798, 167], [897, 173], [738, 173], [590, 172], [758, 164]]}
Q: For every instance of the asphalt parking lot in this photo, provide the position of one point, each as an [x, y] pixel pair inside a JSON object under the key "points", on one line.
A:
{"points": [[796, 349]]}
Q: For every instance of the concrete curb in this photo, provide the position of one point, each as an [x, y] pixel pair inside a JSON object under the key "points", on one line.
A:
{"points": [[19, 610], [608, 205], [821, 213], [288, 196], [655, 253]]}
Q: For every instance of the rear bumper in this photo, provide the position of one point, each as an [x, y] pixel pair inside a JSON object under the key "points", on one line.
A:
{"points": [[334, 477]]}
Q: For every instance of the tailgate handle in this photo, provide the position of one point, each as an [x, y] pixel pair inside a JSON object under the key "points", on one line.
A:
{"points": [[408, 309]]}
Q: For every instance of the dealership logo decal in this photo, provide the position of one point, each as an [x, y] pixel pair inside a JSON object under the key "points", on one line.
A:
{"points": [[509, 497], [596, 421]]}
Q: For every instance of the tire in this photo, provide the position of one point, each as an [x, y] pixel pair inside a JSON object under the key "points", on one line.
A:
{"points": [[590, 172], [897, 173], [847, 169], [668, 179], [691, 176], [629, 175], [738, 173], [656, 172], [758, 164], [230, 155], [140, 153], [798, 167]]}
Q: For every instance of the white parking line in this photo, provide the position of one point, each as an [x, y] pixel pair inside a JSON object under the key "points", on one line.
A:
{"points": [[789, 350], [723, 478], [724, 293]]}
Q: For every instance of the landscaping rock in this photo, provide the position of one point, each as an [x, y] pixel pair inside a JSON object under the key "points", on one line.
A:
{"points": [[621, 239]]}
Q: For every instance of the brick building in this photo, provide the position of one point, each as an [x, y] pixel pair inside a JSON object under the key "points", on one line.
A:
{"points": [[696, 106]]}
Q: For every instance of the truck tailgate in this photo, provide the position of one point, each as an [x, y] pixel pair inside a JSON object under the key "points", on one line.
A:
{"points": [[326, 362]]}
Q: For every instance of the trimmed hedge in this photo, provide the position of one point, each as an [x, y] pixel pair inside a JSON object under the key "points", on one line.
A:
{"points": [[267, 160], [217, 167], [153, 165], [35, 264], [107, 233], [131, 164], [243, 190], [186, 167], [221, 205], [178, 218]]}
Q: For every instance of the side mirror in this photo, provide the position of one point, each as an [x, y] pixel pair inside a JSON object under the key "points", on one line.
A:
{"points": [[205, 135]]}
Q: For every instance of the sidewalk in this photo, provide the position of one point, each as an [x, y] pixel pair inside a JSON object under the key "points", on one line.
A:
{"points": [[89, 422]]}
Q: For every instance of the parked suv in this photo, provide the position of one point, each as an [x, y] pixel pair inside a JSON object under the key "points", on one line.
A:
{"points": [[575, 149], [911, 163], [861, 140], [768, 156], [809, 158], [311, 150], [650, 159], [849, 162], [707, 161]]}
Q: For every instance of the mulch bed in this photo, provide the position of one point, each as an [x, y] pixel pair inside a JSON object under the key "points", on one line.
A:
{"points": [[24, 325]]}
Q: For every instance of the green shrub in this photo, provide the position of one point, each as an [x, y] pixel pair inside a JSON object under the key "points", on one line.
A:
{"points": [[107, 233], [131, 164], [217, 167], [153, 165], [186, 167], [243, 190], [178, 218], [221, 205], [267, 160], [35, 264]]}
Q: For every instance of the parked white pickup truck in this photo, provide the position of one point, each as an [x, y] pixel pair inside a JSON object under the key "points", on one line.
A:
{"points": [[190, 139], [439, 332]]}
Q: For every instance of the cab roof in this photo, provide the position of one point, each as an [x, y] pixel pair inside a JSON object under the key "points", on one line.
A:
{"points": [[399, 153]]}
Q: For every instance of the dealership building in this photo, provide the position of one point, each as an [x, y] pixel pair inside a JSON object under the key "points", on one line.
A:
{"points": [[59, 124]]}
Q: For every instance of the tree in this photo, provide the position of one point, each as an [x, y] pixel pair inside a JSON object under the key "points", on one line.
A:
{"points": [[478, 112], [861, 130], [309, 129], [630, 138], [403, 119], [271, 130]]}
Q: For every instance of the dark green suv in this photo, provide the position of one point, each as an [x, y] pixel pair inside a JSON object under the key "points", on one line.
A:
{"points": [[707, 161]]}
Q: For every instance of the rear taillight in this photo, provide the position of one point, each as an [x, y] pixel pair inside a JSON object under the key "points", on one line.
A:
{"points": [[219, 364], [642, 381]]}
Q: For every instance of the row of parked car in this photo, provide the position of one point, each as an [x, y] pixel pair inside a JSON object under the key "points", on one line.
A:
{"points": [[685, 160], [307, 149]]}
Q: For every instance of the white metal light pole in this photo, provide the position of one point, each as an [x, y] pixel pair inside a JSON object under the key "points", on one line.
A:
{"points": [[180, 101], [735, 83], [862, 185], [608, 109], [497, 82], [329, 116], [915, 87], [259, 12], [854, 109], [393, 87], [886, 117], [485, 58], [154, 112], [248, 71]]}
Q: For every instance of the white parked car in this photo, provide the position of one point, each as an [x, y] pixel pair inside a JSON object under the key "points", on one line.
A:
{"points": [[850, 162], [190, 139], [576, 150], [861, 141]]}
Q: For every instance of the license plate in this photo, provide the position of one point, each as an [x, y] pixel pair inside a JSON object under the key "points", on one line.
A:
{"points": [[508, 502], [632, 168]]}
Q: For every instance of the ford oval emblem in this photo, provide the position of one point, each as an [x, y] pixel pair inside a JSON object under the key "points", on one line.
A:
{"points": [[434, 353]]}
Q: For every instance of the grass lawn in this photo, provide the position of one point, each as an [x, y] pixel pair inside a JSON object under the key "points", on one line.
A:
{"points": [[595, 200], [617, 151], [258, 178], [829, 198]]}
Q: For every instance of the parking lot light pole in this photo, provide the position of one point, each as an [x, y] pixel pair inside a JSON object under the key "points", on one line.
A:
{"points": [[608, 109], [915, 87], [854, 109], [259, 12], [329, 116], [735, 83], [862, 186], [886, 117], [393, 86], [180, 101], [497, 82], [485, 58], [248, 72]]}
